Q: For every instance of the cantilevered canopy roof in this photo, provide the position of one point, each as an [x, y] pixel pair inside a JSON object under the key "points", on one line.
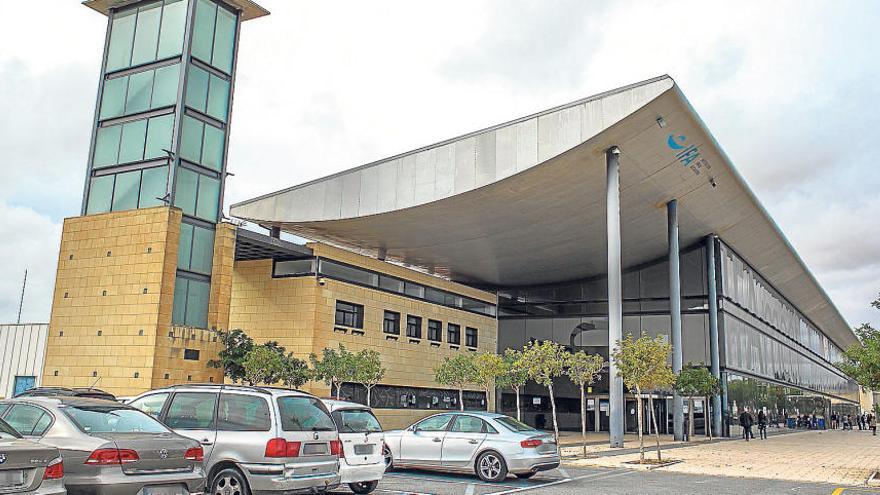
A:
{"points": [[249, 9], [523, 203]]}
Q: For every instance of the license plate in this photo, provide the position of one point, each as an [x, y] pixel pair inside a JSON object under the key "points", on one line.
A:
{"points": [[363, 449], [315, 449], [12, 477], [166, 490]]}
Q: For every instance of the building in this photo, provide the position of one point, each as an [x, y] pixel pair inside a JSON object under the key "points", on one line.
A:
{"points": [[616, 213], [22, 350]]}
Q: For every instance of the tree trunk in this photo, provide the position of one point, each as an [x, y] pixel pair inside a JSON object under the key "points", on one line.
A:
{"points": [[640, 425], [461, 399], [553, 406], [518, 414], [656, 430], [709, 418], [369, 389], [583, 418], [691, 419], [338, 390]]}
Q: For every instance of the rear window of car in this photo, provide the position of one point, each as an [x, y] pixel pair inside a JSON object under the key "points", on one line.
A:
{"points": [[514, 425], [110, 419], [304, 414], [7, 432], [356, 421]]}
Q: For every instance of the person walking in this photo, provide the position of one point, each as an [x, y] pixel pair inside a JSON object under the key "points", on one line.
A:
{"points": [[859, 421], [872, 421], [762, 425], [745, 421], [833, 421], [846, 422]]}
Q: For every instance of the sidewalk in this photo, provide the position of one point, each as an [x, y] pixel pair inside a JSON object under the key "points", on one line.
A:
{"points": [[833, 456]]}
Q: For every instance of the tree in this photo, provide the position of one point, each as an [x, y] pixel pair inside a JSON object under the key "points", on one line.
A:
{"points": [[514, 376], [584, 369], [863, 359], [709, 387], [457, 372], [336, 366], [642, 365], [236, 346], [545, 361], [488, 366], [263, 364], [696, 380], [294, 372], [368, 370]]}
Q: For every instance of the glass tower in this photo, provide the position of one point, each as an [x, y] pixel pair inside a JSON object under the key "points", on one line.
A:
{"points": [[161, 125]]}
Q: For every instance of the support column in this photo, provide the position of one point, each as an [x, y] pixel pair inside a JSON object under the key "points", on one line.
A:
{"points": [[615, 295], [714, 354], [675, 314]]}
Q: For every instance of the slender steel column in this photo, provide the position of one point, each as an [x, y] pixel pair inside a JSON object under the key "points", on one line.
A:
{"points": [[714, 354], [615, 295], [675, 314]]}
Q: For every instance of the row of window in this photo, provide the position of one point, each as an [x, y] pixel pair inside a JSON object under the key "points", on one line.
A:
{"points": [[197, 194], [196, 250], [400, 397], [135, 93], [153, 31], [202, 143], [213, 39], [127, 190], [352, 315], [190, 302], [207, 93], [134, 141]]}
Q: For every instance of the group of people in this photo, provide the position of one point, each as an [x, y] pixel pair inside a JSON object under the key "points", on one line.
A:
{"points": [[864, 421], [746, 420]]}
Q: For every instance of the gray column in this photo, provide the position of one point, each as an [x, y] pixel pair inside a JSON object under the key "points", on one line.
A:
{"points": [[675, 315], [615, 296], [714, 354]]}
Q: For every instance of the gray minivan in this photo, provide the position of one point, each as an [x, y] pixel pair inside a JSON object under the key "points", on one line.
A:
{"points": [[256, 440]]}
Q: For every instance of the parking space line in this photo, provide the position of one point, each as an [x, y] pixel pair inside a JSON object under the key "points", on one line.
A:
{"points": [[470, 489], [563, 472], [447, 480], [603, 475]]}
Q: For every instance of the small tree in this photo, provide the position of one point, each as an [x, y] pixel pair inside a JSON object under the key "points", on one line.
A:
{"points": [[368, 370], [457, 372], [689, 383], [514, 376], [336, 366], [642, 365], [294, 372], [584, 369], [863, 359], [236, 346], [488, 366], [263, 364], [709, 386], [545, 361]]}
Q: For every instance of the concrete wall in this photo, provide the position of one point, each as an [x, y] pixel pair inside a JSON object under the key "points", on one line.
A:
{"points": [[22, 351]]}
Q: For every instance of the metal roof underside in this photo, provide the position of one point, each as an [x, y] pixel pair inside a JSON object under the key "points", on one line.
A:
{"points": [[249, 9], [251, 245], [523, 203]]}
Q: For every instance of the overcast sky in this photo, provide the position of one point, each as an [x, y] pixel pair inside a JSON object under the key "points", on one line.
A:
{"points": [[790, 90]]}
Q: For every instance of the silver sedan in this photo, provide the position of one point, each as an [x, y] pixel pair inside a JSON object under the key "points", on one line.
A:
{"points": [[488, 444]]}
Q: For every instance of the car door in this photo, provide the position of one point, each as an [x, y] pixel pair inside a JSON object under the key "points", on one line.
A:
{"points": [[422, 443], [193, 415], [463, 440], [28, 420], [244, 424], [152, 404]]}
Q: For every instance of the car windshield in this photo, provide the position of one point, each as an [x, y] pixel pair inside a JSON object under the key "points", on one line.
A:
{"points": [[110, 419], [304, 414], [514, 425], [7, 432], [356, 421]]}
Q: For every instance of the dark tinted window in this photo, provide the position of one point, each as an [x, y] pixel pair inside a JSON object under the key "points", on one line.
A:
{"points": [[304, 414], [28, 420], [356, 421], [414, 326], [513, 424], [349, 315], [243, 413], [192, 411], [435, 330], [391, 323], [453, 334], [470, 337], [112, 419]]}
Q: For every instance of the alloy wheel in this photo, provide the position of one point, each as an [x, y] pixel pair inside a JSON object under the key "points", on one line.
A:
{"points": [[490, 466], [227, 485]]}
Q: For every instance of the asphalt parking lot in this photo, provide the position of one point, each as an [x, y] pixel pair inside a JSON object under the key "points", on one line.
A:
{"points": [[612, 481]]}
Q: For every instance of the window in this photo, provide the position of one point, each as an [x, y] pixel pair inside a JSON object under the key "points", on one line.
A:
{"points": [[191, 354], [513, 424], [356, 421], [304, 414], [434, 423], [214, 35], [28, 420], [469, 424], [153, 31], [402, 397], [151, 404], [243, 413], [349, 315], [202, 143], [112, 419], [145, 139], [470, 337], [190, 302], [207, 93], [139, 92], [197, 194], [391, 323], [294, 267], [348, 273], [391, 284], [127, 190], [191, 411], [196, 249], [453, 333], [414, 326], [435, 331]]}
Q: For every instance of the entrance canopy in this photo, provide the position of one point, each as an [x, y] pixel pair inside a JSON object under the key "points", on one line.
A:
{"points": [[523, 203]]}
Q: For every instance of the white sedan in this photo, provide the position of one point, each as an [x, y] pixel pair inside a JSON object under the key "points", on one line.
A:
{"points": [[488, 444]]}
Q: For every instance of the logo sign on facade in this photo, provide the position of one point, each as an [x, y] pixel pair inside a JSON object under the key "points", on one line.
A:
{"points": [[687, 154]]}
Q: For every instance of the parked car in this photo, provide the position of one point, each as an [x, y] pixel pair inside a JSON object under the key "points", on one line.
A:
{"points": [[363, 463], [488, 444], [108, 447], [28, 468], [256, 439], [94, 393]]}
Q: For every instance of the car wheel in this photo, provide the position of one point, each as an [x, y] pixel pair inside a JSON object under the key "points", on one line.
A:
{"points": [[388, 458], [491, 467], [525, 476], [363, 487], [229, 482]]}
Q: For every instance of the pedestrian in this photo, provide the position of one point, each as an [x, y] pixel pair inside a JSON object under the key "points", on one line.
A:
{"points": [[762, 425], [872, 420], [814, 423], [859, 421], [846, 422], [745, 421], [833, 421]]}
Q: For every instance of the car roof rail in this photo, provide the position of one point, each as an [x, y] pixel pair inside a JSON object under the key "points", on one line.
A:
{"points": [[223, 386]]}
